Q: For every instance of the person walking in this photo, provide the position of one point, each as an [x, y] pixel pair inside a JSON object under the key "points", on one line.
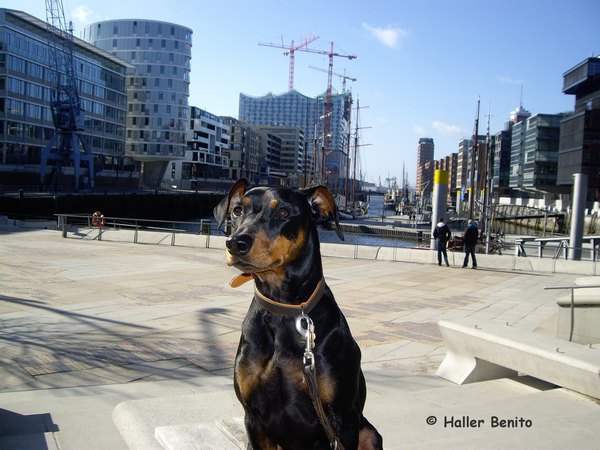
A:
{"points": [[470, 238], [442, 234]]}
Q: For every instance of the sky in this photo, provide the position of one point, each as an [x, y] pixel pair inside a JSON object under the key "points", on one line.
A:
{"points": [[422, 66]]}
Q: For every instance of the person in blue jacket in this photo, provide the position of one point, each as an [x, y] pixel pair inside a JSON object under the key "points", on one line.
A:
{"points": [[470, 238]]}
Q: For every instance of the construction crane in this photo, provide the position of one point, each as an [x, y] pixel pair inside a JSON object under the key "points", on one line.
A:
{"points": [[326, 149], [290, 51], [66, 147], [344, 77]]}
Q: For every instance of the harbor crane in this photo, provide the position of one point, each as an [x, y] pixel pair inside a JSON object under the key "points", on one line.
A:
{"points": [[343, 77], [290, 51], [66, 147]]}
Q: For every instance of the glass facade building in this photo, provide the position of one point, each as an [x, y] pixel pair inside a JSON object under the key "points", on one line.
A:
{"points": [[294, 109], [26, 87], [534, 153], [158, 111], [580, 131]]}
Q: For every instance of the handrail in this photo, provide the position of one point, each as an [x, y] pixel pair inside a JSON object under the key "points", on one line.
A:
{"points": [[524, 243], [573, 287], [204, 226]]}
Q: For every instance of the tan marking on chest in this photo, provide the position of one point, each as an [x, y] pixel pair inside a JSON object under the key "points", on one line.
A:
{"points": [[251, 375]]}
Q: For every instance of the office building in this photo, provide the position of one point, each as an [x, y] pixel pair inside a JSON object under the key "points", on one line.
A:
{"points": [[244, 150], [158, 113], [579, 149], [462, 165], [206, 157], [534, 155], [26, 123], [424, 180], [291, 163]]}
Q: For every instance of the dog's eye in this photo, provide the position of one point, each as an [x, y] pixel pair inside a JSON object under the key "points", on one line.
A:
{"points": [[283, 213], [237, 211]]}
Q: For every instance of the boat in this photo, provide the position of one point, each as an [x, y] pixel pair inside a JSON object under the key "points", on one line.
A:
{"points": [[356, 211], [392, 196], [348, 206]]}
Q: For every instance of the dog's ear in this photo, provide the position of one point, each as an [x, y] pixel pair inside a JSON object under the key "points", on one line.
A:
{"points": [[323, 207], [223, 209]]}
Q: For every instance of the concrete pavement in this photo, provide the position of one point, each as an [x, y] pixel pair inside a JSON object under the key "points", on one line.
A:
{"points": [[89, 325]]}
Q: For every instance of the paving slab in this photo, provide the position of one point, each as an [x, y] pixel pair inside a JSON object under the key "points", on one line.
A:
{"points": [[98, 323]]}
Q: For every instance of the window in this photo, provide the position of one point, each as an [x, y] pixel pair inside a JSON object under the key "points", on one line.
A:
{"points": [[16, 86], [35, 70]]}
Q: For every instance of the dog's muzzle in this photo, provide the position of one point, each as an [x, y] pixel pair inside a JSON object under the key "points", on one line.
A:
{"points": [[239, 245]]}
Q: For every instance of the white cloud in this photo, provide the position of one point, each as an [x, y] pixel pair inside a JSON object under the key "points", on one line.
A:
{"points": [[505, 79], [390, 36], [419, 130], [83, 14], [449, 130]]}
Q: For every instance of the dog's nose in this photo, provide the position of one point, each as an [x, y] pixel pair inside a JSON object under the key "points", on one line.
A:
{"points": [[239, 245]]}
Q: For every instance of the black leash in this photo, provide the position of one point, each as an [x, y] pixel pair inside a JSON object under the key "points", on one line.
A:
{"points": [[310, 375]]}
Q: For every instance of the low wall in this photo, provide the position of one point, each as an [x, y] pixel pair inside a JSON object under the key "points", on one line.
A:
{"points": [[410, 255]]}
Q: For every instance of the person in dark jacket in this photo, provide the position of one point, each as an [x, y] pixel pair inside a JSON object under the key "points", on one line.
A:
{"points": [[470, 238], [442, 234]]}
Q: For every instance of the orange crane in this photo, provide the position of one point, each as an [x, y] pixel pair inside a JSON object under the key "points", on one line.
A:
{"points": [[290, 51]]}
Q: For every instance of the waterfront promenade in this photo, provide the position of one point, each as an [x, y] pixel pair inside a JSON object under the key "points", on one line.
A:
{"points": [[86, 325]]}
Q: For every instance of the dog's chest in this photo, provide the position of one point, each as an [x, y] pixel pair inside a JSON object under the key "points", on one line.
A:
{"points": [[269, 366]]}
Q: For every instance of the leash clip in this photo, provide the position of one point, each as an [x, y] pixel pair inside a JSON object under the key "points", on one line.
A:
{"points": [[307, 333]]}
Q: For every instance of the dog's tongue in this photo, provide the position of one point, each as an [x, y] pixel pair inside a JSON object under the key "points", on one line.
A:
{"points": [[240, 279]]}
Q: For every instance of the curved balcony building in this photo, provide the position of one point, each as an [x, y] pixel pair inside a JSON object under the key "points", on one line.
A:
{"points": [[157, 90]]}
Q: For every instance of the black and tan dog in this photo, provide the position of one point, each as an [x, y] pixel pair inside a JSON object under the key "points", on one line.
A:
{"points": [[297, 393]]}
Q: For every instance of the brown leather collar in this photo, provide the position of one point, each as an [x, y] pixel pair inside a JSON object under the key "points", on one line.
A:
{"points": [[277, 307]]}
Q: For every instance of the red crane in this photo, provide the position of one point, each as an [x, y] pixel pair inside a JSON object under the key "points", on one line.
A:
{"points": [[328, 103], [290, 51]]}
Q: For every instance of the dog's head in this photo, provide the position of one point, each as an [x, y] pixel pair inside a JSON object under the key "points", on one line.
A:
{"points": [[270, 226]]}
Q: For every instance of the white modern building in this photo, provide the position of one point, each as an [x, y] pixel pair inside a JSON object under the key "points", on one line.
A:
{"points": [[158, 112], [206, 154]]}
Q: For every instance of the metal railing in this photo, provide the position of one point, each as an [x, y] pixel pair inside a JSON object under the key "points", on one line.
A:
{"points": [[201, 227], [559, 245], [364, 245]]}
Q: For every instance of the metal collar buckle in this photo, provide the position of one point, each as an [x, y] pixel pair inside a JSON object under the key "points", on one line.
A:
{"points": [[306, 328]]}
